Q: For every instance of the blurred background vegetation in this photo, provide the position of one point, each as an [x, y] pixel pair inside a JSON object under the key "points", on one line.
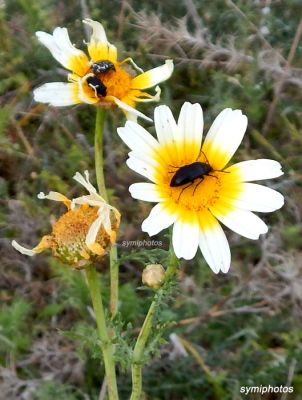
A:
{"points": [[223, 332]]}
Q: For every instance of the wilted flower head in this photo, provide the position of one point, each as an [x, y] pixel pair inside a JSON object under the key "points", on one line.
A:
{"points": [[100, 78], [86, 231], [193, 185]]}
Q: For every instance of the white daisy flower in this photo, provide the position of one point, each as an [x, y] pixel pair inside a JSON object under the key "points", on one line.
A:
{"points": [[192, 184], [99, 79], [86, 231]]}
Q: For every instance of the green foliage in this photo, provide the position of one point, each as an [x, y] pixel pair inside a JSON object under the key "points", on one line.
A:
{"points": [[56, 390], [14, 334]]}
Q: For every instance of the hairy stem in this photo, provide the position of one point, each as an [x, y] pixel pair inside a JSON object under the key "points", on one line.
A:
{"points": [[138, 353], [99, 170], [106, 345]]}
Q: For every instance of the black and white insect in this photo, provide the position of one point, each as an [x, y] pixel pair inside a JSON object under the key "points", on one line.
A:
{"points": [[97, 85], [101, 67], [188, 174]]}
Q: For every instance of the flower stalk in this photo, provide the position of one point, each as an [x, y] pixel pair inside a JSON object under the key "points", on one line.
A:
{"points": [[138, 353], [106, 345], [99, 171]]}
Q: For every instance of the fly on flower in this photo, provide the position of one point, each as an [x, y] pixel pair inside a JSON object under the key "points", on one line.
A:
{"points": [[192, 184], [86, 231], [100, 78]]}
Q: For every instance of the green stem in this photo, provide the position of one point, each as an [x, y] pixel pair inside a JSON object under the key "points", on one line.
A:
{"points": [[99, 170], [106, 345], [98, 148], [138, 352]]}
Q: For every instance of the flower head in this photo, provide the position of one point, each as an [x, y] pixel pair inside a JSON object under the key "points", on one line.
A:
{"points": [[100, 78], [192, 184], [85, 232], [153, 276]]}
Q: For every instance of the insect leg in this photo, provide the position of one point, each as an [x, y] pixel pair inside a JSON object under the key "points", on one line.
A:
{"points": [[196, 186], [183, 190]]}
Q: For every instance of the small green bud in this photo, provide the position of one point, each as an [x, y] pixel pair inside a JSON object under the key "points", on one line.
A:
{"points": [[153, 276]]}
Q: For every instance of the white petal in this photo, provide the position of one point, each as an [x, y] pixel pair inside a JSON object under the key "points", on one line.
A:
{"points": [[127, 109], [190, 125], [185, 239], [57, 94], [85, 181], [55, 196], [158, 219], [153, 76], [141, 167], [93, 231], [254, 170], [257, 198], [23, 250], [165, 124], [61, 47], [93, 200], [243, 222], [145, 192], [98, 31], [137, 138], [98, 47], [224, 137], [214, 245]]}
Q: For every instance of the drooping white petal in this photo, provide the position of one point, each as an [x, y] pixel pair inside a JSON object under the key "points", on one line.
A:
{"points": [[158, 219], [149, 98], [63, 50], [256, 198], [128, 109], [165, 124], [224, 137], [85, 181], [23, 250], [57, 94], [145, 192], [153, 76], [93, 231], [137, 138], [93, 200], [214, 245], [185, 239], [190, 126], [243, 222], [141, 167], [55, 196], [254, 170]]}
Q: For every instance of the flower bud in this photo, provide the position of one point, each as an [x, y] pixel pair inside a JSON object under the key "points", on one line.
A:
{"points": [[153, 276]]}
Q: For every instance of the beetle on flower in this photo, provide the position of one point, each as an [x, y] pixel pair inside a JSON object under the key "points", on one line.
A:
{"points": [[99, 79], [86, 231], [192, 184]]}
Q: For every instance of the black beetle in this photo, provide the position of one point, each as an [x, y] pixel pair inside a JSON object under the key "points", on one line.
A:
{"points": [[103, 66], [97, 85], [189, 173]]}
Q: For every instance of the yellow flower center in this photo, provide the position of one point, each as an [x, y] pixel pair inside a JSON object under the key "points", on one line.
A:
{"points": [[118, 82], [199, 194], [69, 234]]}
